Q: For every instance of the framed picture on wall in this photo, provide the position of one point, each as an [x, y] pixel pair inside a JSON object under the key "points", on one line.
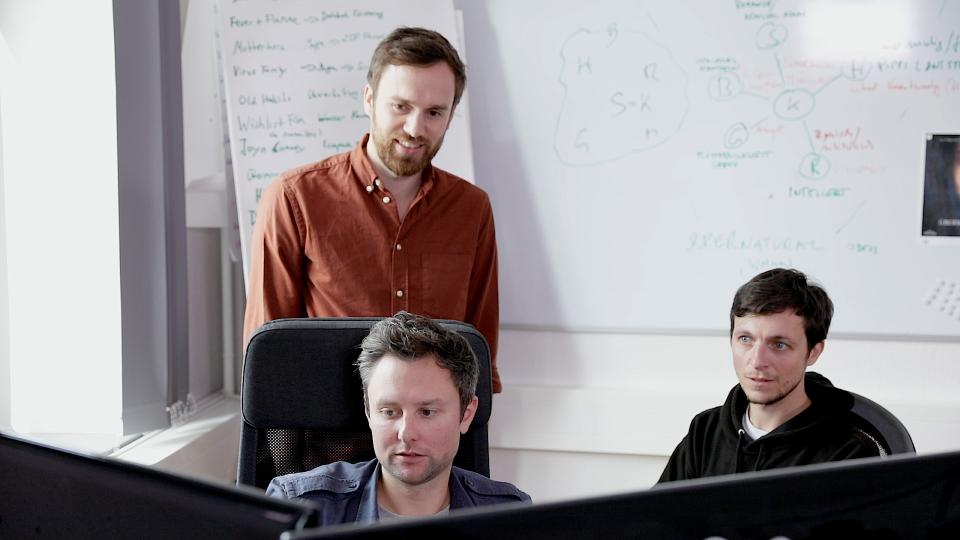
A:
{"points": [[940, 219]]}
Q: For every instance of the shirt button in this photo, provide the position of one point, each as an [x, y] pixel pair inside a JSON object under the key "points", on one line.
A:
{"points": [[399, 247], [386, 200], [399, 294], [377, 182], [369, 189]]}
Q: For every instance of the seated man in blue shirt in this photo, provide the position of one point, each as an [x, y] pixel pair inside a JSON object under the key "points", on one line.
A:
{"points": [[779, 415], [418, 381]]}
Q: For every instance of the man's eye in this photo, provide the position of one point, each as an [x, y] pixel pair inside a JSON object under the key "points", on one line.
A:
{"points": [[389, 413], [428, 412], [744, 339], [780, 345]]}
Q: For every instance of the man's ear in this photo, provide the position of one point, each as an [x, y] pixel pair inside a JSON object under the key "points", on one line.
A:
{"points": [[815, 353], [368, 100], [468, 415]]}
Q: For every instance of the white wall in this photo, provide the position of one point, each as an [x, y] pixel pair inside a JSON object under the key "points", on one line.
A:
{"points": [[588, 413]]}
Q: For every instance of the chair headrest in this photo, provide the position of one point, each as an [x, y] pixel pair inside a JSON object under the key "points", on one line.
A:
{"points": [[299, 373]]}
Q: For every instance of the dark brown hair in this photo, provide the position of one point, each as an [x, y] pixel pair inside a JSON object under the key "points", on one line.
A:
{"points": [[411, 337], [407, 46], [782, 289]]}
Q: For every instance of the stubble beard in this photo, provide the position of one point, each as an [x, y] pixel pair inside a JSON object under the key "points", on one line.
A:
{"points": [[777, 398], [399, 165], [432, 470]]}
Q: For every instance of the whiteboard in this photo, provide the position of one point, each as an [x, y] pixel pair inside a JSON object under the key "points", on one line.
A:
{"points": [[644, 159], [294, 73]]}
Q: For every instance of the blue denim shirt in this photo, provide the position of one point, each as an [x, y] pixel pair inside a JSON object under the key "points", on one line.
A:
{"points": [[347, 492]]}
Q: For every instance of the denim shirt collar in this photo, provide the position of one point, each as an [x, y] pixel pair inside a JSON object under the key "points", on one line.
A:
{"points": [[369, 512], [458, 496]]}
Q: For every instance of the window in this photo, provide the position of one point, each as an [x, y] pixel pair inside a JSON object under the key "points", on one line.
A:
{"points": [[93, 250]]}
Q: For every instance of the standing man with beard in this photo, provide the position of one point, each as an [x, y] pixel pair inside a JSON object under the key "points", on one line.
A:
{"points": [[378, 230], [779, 415], [419, 382]]}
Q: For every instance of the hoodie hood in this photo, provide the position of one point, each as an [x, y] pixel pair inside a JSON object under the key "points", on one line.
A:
{"points": [[827, 404], [828, 411], [825, 431]]}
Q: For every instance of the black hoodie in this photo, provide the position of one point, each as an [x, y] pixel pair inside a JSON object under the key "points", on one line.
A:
{"points": [[825, 431]]}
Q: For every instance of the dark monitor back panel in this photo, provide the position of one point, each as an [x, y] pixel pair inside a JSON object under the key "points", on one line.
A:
{"points": [[47, 492], [900, 497]]}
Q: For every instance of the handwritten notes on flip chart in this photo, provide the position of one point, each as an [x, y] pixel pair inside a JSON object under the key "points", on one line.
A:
{"points": [[294, 73], [646, 158]]}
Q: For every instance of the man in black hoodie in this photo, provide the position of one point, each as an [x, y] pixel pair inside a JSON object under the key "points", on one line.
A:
{"points": [[779, 415]]}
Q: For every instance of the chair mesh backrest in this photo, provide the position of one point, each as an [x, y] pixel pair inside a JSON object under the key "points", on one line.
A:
{"points": [[876, 422], [303, 402], [285, 451], [883, 426]]}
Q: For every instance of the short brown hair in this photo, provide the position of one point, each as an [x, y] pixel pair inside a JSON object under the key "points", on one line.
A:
{"points": [[412, 337], [407, 46], [782, 289]]}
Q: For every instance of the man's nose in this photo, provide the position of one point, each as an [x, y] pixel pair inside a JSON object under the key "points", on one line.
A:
{"points": [[414, 125], [408, 429], [757, 356]]}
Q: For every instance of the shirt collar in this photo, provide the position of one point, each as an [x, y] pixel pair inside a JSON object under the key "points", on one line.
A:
{"points": [[368, 511], [458, 496]]}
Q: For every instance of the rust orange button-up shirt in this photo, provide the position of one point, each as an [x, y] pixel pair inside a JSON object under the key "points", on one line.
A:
{"points": [[328, 242]]}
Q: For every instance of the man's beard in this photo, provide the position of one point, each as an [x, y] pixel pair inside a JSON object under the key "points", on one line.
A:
{"points": [[402, 165], [431, 471], [779, 397]]}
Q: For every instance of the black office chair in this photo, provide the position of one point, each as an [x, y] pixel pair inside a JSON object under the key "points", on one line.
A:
{"points": [[887, 428], [890, 435], [302, 400]]}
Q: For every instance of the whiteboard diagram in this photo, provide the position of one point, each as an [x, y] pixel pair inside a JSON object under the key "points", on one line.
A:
{"points": [[646, 158], [624, 93]]}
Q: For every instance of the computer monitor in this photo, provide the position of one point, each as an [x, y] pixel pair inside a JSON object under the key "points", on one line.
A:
{"points": [[904, 496], [47, 492]]}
